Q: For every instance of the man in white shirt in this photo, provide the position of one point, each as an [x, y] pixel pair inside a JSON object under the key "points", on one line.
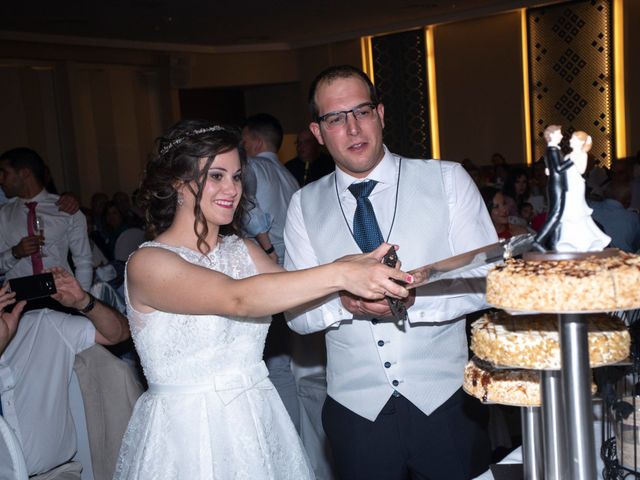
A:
{"points": [[395, 407], [270, 186], [35, 370], [22, 250]]}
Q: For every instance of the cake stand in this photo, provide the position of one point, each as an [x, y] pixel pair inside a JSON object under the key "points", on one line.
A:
{"points": [[566, 394]]}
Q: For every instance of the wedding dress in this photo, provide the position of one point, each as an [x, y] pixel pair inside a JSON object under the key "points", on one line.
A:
{"points": [[578, 231], [210, 412]]}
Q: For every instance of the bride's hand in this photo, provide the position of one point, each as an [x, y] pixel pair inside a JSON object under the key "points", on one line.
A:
{"points": [[366, 277]]}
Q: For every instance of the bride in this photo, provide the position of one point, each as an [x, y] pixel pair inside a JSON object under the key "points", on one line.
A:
{"points": [[199, 315]]}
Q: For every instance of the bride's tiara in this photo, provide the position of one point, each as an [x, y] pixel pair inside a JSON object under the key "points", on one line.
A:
{"points": [[191, 133]]}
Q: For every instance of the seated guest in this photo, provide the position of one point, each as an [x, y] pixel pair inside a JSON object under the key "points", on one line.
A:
{"points": [[494, 200], [35, 371], [122, 201], [499, 171], [516, 190], [113, 224], [311, 163], [98, 257], [98, 202], [613, 216], [527, 213]]}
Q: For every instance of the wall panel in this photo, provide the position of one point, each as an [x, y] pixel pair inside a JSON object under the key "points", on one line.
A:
{"points": [[570, 59], [480, 89]]}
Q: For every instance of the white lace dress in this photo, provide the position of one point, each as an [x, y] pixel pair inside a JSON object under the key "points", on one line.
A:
{"points": [[210, 411]]}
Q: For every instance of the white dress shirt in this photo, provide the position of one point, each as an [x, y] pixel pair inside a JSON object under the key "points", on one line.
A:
{"points": [[63, 233], [469, 228], [35, 371], [272, 185]]}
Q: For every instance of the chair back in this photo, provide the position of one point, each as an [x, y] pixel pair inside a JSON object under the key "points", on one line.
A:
{"points": [[127, 242], [76, 405], [11, 458], [109, 392]]}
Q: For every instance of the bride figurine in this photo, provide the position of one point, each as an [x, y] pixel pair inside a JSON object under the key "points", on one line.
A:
{"points": [[578, 231]]}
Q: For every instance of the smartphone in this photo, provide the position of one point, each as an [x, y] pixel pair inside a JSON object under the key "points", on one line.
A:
{"points": [[33, 286]]}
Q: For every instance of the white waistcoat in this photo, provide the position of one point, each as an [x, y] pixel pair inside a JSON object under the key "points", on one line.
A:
{"points": [[367, 360]]}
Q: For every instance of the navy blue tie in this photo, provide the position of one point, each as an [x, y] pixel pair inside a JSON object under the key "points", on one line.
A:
{"points": [[366, 231]]}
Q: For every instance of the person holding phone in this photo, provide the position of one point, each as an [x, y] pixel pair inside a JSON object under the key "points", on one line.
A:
{"points": [[36, 367]]}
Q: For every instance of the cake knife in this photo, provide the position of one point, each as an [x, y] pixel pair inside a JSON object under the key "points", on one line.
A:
{"points": [[452, 267], [397, 306]]}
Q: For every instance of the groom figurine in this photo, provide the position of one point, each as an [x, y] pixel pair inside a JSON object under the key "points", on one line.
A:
{"points": [[556, 189]]}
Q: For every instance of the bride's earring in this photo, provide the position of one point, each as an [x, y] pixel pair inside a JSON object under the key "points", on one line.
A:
{"points": [[180, 199]]}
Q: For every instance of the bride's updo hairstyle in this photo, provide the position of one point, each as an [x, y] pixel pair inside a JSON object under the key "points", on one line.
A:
{"points": [[177, 162], [585, 140]]}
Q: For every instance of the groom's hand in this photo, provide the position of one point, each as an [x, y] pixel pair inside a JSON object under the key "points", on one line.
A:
{"points": [[372, 308]]}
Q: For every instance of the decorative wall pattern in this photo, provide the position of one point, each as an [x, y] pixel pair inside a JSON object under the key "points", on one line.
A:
{"points": [[571, 74], [400, 75]]}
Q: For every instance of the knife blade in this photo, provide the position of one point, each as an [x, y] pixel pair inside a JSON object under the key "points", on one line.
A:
{"points": [[452, 267]]}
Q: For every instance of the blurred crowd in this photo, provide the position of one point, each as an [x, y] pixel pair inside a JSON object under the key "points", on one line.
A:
{"points": [[516, 196]]}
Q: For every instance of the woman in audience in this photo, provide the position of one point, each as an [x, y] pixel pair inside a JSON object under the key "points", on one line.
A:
{"points": [[210, 406], [113, 224], [516, 190], [494, 199]]}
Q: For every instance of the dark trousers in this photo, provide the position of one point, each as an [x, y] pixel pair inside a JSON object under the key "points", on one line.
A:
{"points": [[403, 443]]}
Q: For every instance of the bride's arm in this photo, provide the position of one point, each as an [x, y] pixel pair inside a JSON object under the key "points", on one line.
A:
{"points": [[161, 280]]}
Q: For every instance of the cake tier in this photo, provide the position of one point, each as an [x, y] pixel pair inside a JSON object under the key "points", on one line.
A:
{"points": [[520, 388], [590, 284], [532, 341]]}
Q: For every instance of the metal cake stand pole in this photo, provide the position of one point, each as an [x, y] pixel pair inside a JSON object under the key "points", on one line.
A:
{"points": [[532, 458], [576, 385], [553, 426]]}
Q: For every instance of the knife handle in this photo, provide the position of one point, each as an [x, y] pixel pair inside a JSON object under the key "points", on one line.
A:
{"points": [[397, 306]]}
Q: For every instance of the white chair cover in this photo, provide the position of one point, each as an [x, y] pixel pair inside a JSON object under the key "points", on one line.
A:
{"points": [[11, 458]]}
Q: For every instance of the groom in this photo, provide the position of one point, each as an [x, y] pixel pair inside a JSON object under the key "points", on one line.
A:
{"points": [[395, 406], [557, 187]]}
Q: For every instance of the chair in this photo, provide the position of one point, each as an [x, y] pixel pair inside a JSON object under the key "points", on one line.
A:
{"points": [[109, 392], [128, 241], [11, 458]]}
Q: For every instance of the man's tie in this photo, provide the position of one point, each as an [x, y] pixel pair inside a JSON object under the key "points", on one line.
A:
{"points": [[36, 258], [365, 226]]}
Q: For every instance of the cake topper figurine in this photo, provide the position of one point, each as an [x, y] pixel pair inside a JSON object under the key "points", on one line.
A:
{"points": [[578, 231], [547, 237]]}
